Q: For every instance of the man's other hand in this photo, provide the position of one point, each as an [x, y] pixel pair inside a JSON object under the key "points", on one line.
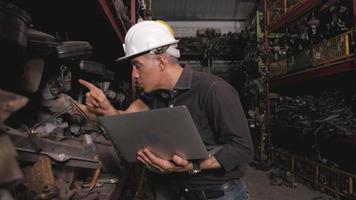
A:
{"points": [[178, 164]]}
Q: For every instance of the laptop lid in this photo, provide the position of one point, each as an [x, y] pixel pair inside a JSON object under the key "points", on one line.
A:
{"points": [[165, 131]]}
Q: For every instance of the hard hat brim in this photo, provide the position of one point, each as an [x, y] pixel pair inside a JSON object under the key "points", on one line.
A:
{"points": [[146, 50]]}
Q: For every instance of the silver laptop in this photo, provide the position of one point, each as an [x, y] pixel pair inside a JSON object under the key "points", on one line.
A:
{"points": [[165, 131]]}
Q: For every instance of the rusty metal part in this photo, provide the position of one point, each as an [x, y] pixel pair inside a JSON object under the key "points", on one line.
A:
{"points": [[73, 155], [326, 114], [68, 174], [40, 44], [67, 182], [31, 77], [9, 103], [9, 169], [120, 186], [59, 104], [64, 189], [101, 181], [15, 23], [39, 177], [95, 178], [110, 161], [108, 180], [140, 188], [4, 194], [74, 50], [91, 186]]}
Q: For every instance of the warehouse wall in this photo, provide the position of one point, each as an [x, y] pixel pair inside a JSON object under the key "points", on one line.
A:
{"points": [[189, 29]]}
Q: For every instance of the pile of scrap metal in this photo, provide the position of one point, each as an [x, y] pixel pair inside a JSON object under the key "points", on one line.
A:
{"points": [[192, 48], [249, 79], [122, 7], [210, 44], [327, 114], [280, 177], [297, 47], [327, 20], [49, 149]]}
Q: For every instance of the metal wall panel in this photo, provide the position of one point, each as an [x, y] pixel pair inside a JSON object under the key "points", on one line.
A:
{"points": [[195, 10]]}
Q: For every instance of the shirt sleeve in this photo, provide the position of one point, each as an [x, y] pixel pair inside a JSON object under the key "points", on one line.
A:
{"points": [[229, 123]]}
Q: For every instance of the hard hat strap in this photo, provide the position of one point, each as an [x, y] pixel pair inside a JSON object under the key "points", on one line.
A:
{"points": [[160, 50], [170, 49]]}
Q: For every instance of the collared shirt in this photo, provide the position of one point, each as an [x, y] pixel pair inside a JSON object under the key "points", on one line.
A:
{"points": [[218, 115]]}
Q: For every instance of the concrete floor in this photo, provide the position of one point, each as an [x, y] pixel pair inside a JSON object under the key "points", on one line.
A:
{"points": [[259, 187]]}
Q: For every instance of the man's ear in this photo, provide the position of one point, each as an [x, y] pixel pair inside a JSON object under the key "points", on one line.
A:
{"points": [[162, 62]]}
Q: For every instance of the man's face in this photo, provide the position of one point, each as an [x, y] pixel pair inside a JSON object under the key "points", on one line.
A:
{"points": [[146, 71]]}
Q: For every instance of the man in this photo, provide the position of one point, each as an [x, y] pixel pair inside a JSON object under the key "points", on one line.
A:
{"points": [[213, 104]]}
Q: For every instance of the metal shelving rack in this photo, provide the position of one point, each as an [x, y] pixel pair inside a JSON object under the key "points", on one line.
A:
{"points": [[347, 65], [115, 23], [290, 15], [119, 27], [344, 64], [333, 180]]}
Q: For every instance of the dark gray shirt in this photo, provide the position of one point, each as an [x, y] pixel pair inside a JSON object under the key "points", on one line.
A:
{"points": [[218, 115]]}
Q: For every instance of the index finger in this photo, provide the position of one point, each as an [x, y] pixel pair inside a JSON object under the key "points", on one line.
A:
{"points": [[88, 85]]}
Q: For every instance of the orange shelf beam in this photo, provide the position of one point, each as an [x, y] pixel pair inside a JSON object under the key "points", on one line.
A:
{"points": [[293, 14], [117, 26], [335, 68]]}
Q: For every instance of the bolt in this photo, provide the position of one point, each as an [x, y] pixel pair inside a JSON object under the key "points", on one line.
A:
{"points": [[61, 157], [113, 180]]}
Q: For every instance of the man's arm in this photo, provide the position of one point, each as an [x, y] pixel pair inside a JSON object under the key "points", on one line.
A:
{"points": [[229, 123], [135, 106], [210, 163], [96, 103]]}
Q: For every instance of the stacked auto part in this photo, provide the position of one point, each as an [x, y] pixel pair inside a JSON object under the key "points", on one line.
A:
{"points": [[54, 151], [327, 114], [209, 45], [13, 39], [312, 115], [321, 36], [15, 22]]}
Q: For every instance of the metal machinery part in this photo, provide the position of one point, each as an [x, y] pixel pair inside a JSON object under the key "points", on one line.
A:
{"points": [[16, 22], [10, 171], [49, 148]]}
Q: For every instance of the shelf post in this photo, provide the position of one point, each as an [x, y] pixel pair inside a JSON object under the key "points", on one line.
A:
{"points": [[267, 106], [351, 185], [133, 12], [353, 30], [114, 23], [354, 12], [346, 42]]}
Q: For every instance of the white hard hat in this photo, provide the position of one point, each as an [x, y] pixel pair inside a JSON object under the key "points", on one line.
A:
{"points": [[146, 36]]}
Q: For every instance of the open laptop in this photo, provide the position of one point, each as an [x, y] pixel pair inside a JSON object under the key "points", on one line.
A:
{"points": [[165, 131]]}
